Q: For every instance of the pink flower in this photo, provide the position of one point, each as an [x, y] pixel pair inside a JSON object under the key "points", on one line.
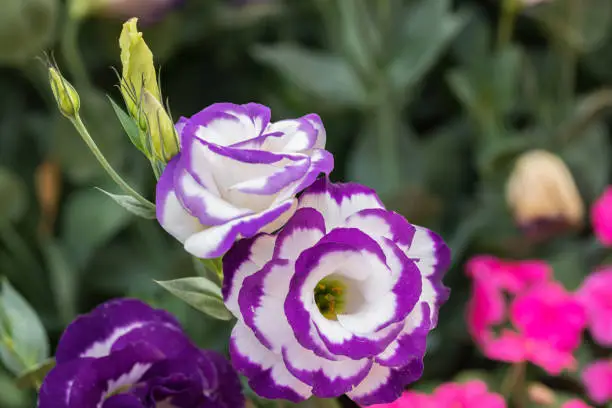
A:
{"points": [[575, 403], [409, 399], [596, 296], [549, 322], [466, 395], [597, 378], [455, 395], [491, 277], [601, 217]]}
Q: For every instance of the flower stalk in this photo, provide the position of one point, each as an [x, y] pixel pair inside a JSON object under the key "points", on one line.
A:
{"points": [[78, 124]]}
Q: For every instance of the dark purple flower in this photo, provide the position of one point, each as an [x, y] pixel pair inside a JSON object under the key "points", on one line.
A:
{"points": [[340, 301], [237, 174], [125, 354]]}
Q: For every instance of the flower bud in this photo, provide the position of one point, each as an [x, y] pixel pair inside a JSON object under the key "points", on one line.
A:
{"points": [[65, 95], [26, 28], [138, 74], [163, 139], [541, 192]]}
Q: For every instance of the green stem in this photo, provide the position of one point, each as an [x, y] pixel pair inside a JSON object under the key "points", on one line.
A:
{"points": [[22, 252], [80, 127], [72, 55], [506, 25], [569, 58], [514, 384], [388, 140]]}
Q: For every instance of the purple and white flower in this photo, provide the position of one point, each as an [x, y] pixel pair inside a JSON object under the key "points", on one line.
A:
{"points": [[124, 354], [237, 174], [340, 301]]}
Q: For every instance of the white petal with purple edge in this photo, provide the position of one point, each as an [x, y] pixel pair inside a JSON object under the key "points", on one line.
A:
{"points": [[171, 214], [216, 241], [209, 207], [244, 259], [266, 371], [337, 202]]}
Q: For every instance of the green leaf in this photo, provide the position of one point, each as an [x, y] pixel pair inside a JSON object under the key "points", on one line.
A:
{"points": [[34, 377], [582, 25], [588, 157], [200, 293], [488, 88], [429, 28], [64, 280], [364, 162], [322, 75], [23, 340], [132, 205], [129, 125], [14, 197], [90, 222], [10, 395]]}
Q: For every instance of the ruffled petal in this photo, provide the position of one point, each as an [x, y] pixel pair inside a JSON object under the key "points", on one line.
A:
{"points": [[377, 222], [337, 202], [384, 385], [411, 343], [94, 334], [55, 390], [302, 231], [225, 124], [171, 214], [216, 241], [245, 258], [327, 378], [106, 375], [207, 206], [266, 372]]}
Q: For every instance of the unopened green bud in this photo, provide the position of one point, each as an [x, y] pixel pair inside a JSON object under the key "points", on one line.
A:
{"points": [[138, 73], [65, 95], [163, 139]]}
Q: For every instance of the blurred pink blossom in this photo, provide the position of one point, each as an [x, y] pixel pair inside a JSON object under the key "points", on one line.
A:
{"points": [[597, 378], [450, 395], [601, 217], [549, 322], [575, 403], [491, 277], [596, 296]]}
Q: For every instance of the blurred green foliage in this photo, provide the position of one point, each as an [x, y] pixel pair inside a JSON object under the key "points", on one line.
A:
{"points": [[428, 101]]}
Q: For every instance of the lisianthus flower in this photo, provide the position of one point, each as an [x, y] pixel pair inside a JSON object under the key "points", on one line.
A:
{"points": [[549, 322], [126, 354], [491, 277], [596, 296], [601, 217], [575, 403], [237, 174], [597, 378], [456, 395], [340, 301]]}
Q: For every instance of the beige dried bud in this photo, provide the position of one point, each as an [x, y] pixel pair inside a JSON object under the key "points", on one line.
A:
{"points": [[541, 192]]}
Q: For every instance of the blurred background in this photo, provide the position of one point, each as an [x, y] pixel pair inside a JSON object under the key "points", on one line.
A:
{"points": [[437, 104]]}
